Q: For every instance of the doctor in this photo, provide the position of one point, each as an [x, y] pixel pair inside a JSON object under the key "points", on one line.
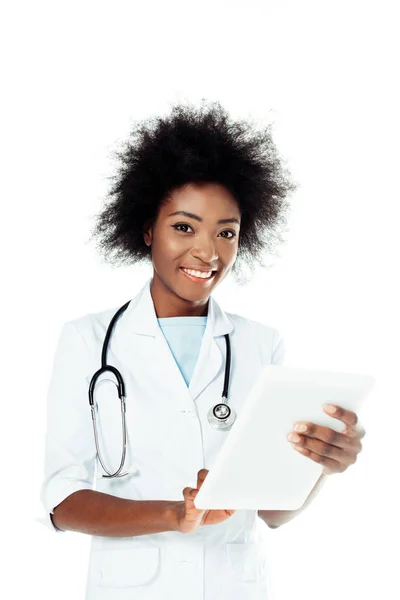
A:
{"points": [[195, 193]]}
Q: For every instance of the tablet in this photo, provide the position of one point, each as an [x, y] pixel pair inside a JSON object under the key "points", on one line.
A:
{"points": [[257, 468]]}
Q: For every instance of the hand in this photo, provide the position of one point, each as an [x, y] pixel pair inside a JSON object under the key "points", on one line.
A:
{"points": [[191, 518], [336, 451]]}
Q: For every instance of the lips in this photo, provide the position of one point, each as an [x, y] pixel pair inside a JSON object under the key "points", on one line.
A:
{"points": [[198, 279]]}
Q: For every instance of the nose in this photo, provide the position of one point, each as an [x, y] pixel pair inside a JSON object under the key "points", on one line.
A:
{"points": [[205, 249]]}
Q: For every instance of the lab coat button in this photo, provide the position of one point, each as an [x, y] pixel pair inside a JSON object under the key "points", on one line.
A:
{"points": [[188, 412]]}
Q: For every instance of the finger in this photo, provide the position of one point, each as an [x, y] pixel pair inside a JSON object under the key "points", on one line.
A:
{"points": [[189, 494], [201, 475], [347, 416], [348, 457], [355, 431], [333, 465], [329, 436]]}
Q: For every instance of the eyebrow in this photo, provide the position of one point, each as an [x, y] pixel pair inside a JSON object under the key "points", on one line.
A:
{"points": [[193, 216]]}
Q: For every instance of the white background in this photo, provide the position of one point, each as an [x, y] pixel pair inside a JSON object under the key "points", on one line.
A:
{"points": [[74, 77]]}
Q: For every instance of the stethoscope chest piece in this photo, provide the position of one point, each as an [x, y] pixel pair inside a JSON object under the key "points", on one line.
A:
{"points": [[221, 416]]}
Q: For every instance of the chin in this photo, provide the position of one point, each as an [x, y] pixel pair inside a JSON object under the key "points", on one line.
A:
{"points": [[193, 292], [193, 295]]}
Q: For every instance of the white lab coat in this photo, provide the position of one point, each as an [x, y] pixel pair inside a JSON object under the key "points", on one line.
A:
{"points": [[169, 441]]}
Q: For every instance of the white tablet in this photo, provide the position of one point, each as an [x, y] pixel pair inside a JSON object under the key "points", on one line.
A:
{"points": [[257, 468]]}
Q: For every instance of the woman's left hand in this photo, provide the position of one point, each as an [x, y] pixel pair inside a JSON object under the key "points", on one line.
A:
{"points": [[336, 451]]}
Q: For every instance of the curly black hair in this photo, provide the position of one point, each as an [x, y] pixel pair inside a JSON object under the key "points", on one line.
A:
{"points": [[194, 145]]}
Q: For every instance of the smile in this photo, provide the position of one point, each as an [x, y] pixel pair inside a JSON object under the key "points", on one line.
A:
{"points": [[198, 276]]}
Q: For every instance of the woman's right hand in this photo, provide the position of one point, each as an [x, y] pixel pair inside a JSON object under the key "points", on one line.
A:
{"points": [[191, 518]]}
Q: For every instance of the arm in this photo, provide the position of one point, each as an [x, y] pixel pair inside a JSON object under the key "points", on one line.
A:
{"points": [[70, 458], [96, 513], [276, 518]]}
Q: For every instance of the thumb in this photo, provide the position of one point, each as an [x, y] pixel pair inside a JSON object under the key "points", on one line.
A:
{"points": [[189, 492]]}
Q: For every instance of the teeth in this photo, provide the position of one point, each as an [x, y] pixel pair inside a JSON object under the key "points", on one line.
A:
{"points": [[198, 273]]}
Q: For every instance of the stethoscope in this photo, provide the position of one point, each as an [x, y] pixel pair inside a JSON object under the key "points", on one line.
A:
{"points": [[221, 416]]}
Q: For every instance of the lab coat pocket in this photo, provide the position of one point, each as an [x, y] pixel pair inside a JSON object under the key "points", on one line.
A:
{"points": [[122, 568], [247, 560]]}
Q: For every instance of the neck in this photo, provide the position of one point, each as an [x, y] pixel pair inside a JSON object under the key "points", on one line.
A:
{"points": [[168, 304]]}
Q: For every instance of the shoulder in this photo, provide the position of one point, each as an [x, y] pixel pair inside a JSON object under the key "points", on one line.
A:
{"points": [[265, 336], [90, 327], [250, 327]]}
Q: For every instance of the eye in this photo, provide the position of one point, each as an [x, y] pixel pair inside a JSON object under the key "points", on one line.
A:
{"points": [[229, 231], [181, 225], [233, 233]]}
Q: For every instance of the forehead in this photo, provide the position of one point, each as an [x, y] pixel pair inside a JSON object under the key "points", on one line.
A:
{"points": [[207, 199]]}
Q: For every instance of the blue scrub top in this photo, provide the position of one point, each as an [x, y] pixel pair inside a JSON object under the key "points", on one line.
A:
{"points": [[184, 335]]}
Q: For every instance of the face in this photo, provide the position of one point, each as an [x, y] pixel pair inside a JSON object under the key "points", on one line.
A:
{"points": [[204, 240]]}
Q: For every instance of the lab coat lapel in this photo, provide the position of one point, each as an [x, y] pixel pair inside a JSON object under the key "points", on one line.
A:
{"points": [[211, 359], [145, 341]]}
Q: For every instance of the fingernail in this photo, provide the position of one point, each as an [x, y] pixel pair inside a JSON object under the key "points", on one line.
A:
{"points": [[330, 409], [300, 427]]}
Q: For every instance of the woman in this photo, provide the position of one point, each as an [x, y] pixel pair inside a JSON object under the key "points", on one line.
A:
{"points": [[196, 194]]}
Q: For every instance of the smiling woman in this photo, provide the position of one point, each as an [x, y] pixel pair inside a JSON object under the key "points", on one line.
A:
{"points": [[191, 258], [201, 165], [195, 195]]}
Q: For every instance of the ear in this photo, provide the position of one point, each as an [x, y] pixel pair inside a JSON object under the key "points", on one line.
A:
{"points": [[148, 232]]}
